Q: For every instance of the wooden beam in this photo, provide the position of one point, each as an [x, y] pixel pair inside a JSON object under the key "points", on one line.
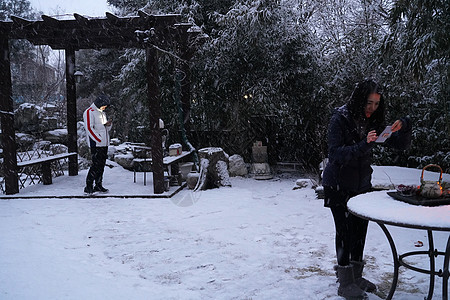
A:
{"points": [[154, 107], [7, 121], [71, 110], [21, 22], [86, 33], [5, 28], [143, 14], [49, 21], [131, 23], [113, 19], [83, 21]]}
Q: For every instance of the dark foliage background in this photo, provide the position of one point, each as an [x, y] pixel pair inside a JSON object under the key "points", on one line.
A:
{"points": [[275, 70]]}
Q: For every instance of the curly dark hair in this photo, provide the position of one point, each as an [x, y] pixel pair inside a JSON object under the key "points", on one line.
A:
{"points": [[358, 102]]}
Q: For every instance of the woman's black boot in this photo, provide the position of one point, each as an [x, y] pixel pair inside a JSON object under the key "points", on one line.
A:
{"points": [[363, 283], [347, 286]]}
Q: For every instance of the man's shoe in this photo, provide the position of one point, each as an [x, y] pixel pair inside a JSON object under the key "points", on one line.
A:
{"points": [[100, 188], [89, 190]]}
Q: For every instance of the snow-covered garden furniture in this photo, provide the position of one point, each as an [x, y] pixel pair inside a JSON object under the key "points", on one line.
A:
{"points": [[170, 163], [383, 209], [41, 167]]}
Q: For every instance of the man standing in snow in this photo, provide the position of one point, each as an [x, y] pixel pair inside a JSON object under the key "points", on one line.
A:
{"points": [[97, 133]]}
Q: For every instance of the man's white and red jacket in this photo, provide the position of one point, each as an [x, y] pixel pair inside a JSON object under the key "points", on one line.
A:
{"points": [[94, 123]]}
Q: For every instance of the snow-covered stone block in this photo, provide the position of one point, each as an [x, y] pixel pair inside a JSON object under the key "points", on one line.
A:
{"points": [[237, 166], [125, 160]]}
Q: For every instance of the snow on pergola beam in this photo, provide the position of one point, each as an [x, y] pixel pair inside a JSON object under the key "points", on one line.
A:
{"points": [[82, 32]]}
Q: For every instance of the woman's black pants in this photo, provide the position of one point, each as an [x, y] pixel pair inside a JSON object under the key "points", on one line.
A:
{"points": [[95, 174], [351, 234]]}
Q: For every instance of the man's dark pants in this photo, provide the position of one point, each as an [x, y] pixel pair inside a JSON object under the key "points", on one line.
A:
{"points": [[99, 156]]}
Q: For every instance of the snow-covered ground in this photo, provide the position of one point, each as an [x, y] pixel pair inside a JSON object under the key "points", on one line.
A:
{"points": [[255, 240]]}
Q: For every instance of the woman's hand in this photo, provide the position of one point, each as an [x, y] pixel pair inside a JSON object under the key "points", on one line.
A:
{"points": [[371, 136], [396, 126]]}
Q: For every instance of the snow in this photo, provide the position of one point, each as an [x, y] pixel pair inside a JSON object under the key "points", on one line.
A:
{"points": [[58, 132], [175, 146], [390, 176], [380, 206], [254, 240]]}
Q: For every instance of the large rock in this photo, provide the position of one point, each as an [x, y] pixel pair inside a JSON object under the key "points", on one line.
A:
{"points": [[57, 136], [112, 152], [42, 146], [125, 160], [237, 166], [49, 123], [31, 118], [58, 148], [27, 117], [24, 141]]}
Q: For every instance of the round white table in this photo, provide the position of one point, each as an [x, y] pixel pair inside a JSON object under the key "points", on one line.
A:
{"points": [[383, 209]]}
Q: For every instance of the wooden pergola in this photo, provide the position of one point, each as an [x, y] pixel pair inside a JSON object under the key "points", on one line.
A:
{"points": [[150, 32]]}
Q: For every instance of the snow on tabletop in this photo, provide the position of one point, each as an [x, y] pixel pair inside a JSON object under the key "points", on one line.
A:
{"points": [[380, 206]]}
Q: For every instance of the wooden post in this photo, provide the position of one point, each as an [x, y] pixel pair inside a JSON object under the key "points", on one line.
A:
{"points": [[7, 121], [154, 107], [46, 173], [71, 93]]}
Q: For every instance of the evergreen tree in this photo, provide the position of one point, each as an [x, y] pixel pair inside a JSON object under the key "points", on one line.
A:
{"points": [[416, 59], [259, 62], [289, 63]]}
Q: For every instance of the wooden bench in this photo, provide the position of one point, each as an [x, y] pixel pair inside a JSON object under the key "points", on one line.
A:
{"points": [[45, 162], [167, 162]]}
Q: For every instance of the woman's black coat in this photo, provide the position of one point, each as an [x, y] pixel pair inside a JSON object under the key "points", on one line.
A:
{"points": [[350, 156]]}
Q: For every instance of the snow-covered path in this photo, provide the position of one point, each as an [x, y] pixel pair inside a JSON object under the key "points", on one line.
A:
{"points": [[256, 240]]}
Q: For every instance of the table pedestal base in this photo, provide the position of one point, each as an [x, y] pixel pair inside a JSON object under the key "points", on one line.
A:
{"points": [[432, 254]]}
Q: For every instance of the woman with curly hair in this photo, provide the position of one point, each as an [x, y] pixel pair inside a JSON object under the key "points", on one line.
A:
{"points": [[352, 132]]}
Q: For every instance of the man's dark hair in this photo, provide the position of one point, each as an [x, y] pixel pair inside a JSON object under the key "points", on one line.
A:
{"points": [[102, 100]]}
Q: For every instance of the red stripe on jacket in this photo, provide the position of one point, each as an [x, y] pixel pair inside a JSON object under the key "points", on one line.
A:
{"points": [[89, 126]]}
